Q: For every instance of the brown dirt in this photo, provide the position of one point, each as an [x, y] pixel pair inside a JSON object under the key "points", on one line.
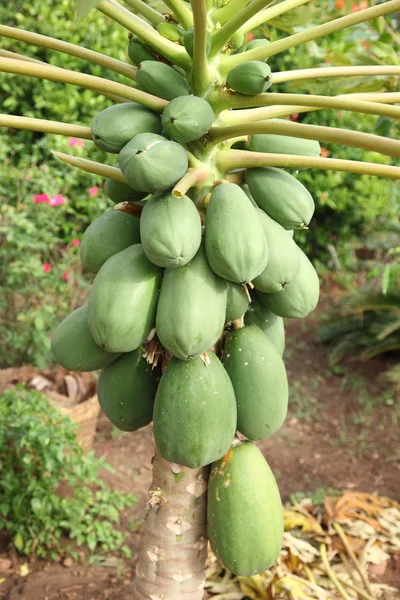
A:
{"points": [[341, 433]]}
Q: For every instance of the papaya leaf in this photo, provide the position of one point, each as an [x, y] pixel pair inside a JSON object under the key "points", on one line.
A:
{"points": [[84, 6]]}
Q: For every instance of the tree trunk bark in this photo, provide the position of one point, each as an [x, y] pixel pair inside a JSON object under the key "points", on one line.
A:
{"points": [[174, 547]]}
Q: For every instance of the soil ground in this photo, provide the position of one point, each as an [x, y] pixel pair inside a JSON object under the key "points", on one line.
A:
{"points": [[341, 434]]}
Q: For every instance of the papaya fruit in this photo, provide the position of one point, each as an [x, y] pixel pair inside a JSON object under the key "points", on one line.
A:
{"points": [[194, 412], [118, 192], [191, 309], [246, 190], [126, 391], [151, 163], [259, 379], [271, 324], [170, 31], [250, 78], [107, 235], [300, 298], [237, 39], [161, 80], [236, 245], [116, 125], [237, 302], [282, 144], [74, 347], [281, 196], [170, 230], [123, 300], [138, 52], [188, 41], [187, 118], [244, 511], [257, 43], [284, 258]]}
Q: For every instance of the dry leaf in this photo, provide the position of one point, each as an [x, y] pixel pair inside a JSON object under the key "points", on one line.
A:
{"points": [[306, 522], [304, 550]]}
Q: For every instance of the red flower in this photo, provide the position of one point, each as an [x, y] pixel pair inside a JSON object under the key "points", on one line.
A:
{"points": [[47, 268], [39, 198], [65, 276], [93, 191], [76, 142], [57, 200], [76, 242]]}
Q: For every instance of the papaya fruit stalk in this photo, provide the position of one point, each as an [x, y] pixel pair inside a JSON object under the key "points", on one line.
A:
{"points": [[196, 266]]}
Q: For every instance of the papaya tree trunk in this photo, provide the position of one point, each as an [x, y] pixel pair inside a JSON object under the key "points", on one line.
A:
{"points": [[174, 546]]}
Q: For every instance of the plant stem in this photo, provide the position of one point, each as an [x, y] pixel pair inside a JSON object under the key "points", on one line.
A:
{"points": [[129, 208], [182, 13], [331, 573], [228, 62], [15, 122], [9, 54], [174, 547], [323, 72], [200, 71], [89, 166], [124, 17], [227, 160], [222, 15], [149, 13], [272, 12], [191, 179], [353, 557], [19, 67], [72, 49]]}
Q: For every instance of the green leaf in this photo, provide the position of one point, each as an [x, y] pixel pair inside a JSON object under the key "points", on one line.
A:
{"points": [[386, 279], [18, 541], [84, 6]]}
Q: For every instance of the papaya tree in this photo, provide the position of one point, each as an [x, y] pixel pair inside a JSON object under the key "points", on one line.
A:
{"points": [[196, 265]]}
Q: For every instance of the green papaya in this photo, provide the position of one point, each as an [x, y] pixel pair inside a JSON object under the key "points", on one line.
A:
{"points": [[237, 302], [257, 43], [300, 298], [170, 31], [194, 412], [284, 258], [237, 39], [121, 192], [123, 300], [282, 144], [271, 324], [246, 190], [107, 235], [114, 126], [151, 163], [126, 391], [244, 512], [250, 78], [191, 308], [170, 230], [74, 347], [259, 379], [187, 118], [138, 53], [236, 246], [281, 196], [188, 41], [161, 80]]}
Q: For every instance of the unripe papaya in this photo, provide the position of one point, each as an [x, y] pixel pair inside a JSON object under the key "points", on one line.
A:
{"points": [[250, 78], [284, 258], [259, 379], [246, 190], [126, 391], [151, 163], [188, 41], [271, 324], [74, 347], [191, 308], [121, 192], [138, 53], [161, 80], [123, 300], [257, 43], [237, 39], [282, 144], [300, 298], [237, 302], [187, 118], [194, 412], [281, 196], [235, 240], [170, 31], [170, 230], [107, 235], [114, 126], [244, 512]]}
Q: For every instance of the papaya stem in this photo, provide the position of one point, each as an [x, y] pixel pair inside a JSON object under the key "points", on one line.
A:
{"points": [[124, 17], [9, 54], [192, 178], [323, 72], [90, 166], [227, 160], [200, 72], [72, 49], [19, 67], [331, 573], [222, 15], [182, 13], [16, 122], [270, 13], [130, 208], [262, 53], [149, 13]]}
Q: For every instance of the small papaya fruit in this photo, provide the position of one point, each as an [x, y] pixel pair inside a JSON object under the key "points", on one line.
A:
{"points": [[107, 235], [237, 39], [250, 78], [257, 43], [138, 52], [170, 31], [284, 258], [74, 347], [126, 392], [244, 511], [118, 192], [123, 300], [271, 324], [187, 118], [191, 308], [114, 126], [188, 41], [194, 412], [300, 298], [170, 230], [259, 379], [281, 196], [161, 80], [282, 144], [151, 163], [237, 302], [246, 190], [236, 245]]}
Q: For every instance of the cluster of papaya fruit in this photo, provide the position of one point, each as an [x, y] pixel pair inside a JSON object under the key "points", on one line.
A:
{"points": [[200, 290]]}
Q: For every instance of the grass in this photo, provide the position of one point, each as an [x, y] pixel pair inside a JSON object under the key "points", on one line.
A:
{"points": [[317, 496], [305, 405]]}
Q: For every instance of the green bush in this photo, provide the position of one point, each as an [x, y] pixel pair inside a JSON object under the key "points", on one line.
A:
{"points": [[38, 454]]}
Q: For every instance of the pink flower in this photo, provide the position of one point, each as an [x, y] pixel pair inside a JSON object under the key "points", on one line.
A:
{"points": [[93, 191], [44, 168], [65, 276], [76, 242], [39, 198], [28, 177], [76, 142], [47, 268], [57, 200]]}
